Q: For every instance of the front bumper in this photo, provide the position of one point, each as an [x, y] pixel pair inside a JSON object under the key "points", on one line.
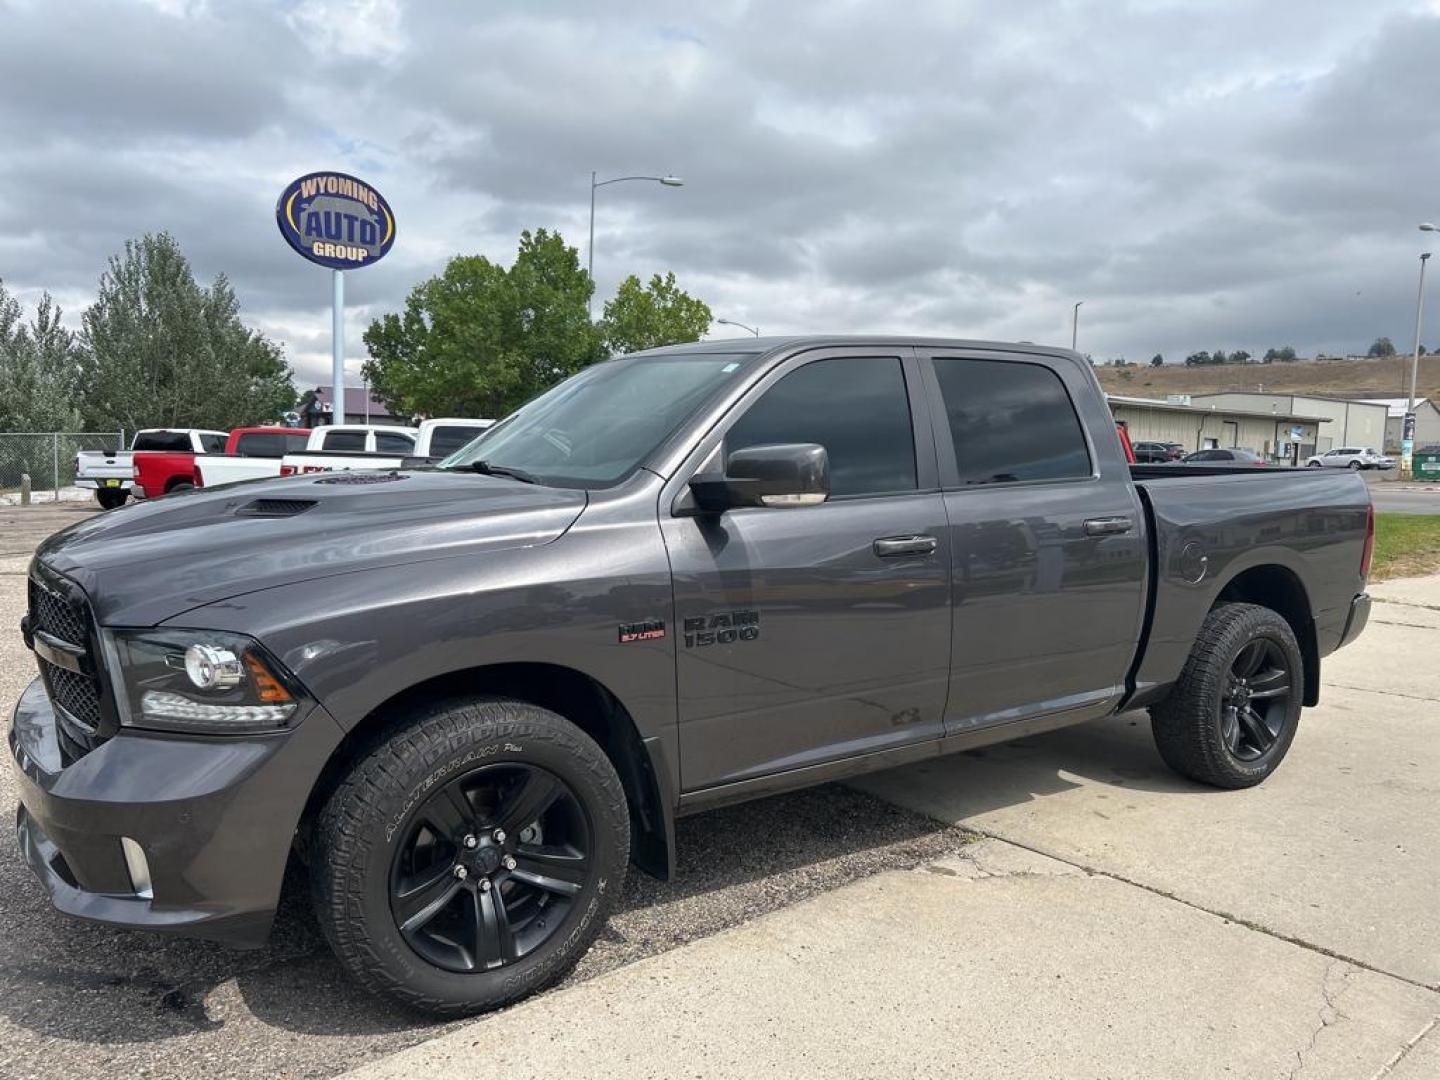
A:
{"points": [[214, 816]]}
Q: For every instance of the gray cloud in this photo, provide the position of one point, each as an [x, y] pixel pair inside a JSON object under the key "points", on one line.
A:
{"points": [[1235, 174]]}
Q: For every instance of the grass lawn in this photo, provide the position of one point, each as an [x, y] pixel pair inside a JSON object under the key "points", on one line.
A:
{"points": [[1406, 545]]}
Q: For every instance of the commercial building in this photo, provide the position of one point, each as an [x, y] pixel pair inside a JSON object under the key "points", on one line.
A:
{"points": [[1352, 423], [1276, 436], [1427, 421]]}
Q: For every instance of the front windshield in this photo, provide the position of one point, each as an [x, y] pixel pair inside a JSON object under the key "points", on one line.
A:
{"points": [[596, 427]]}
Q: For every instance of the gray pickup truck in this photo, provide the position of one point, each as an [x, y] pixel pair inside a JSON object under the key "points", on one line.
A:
{"points": [[466, 697]]}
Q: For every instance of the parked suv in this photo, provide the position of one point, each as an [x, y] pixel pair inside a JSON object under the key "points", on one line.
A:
{"points": [[1158, 451], [468, 697]]}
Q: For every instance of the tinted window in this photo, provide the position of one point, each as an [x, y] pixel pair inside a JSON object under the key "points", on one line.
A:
{"points": [[1010, 421], [344, 440], [855, 407], [174, 442], [390, 442], [213, 443], [270, 444], [445, 440]]}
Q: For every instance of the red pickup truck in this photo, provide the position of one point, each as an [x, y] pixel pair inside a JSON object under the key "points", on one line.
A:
{"points": [[160, 473]]}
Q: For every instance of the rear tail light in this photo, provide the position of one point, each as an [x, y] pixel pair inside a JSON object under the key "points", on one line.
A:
{"points": [[135, 471], [287, 470], [199, 476], [1367, 553]]}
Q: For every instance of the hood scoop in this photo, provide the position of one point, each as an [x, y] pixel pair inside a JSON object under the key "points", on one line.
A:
{"points": [[275, 508]]}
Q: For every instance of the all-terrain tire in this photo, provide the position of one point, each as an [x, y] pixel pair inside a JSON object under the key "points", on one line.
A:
{"points": [[371, 811], [111, 498], [1189, 726]]}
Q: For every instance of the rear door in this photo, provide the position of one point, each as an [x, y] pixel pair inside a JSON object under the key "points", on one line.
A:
{"points": [[1046, 538], [811, 634]]}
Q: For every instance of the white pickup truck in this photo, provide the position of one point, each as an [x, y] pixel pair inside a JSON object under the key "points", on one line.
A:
{"points": [[356, 446], [111, 475]]}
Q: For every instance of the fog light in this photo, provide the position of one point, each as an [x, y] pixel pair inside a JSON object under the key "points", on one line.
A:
{"points": [[138, 867], [210, 668]]}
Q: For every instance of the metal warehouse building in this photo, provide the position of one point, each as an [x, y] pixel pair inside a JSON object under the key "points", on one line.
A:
{"points": [[1352, 423], [1277, 436]]}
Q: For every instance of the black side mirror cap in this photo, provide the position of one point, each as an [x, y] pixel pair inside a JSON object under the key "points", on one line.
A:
{"points": [[774, 475]]}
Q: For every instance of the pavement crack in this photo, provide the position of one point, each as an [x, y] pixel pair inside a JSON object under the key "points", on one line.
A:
{"points": [[1404, 1051], [1248, 924], [1327, 1014], [1388, 693], [1406, 603]]}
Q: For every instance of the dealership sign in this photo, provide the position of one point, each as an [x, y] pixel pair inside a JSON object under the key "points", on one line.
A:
{"points": [[335, 220]]}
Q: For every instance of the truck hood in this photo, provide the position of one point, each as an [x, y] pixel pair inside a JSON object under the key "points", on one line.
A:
{"points": [[149, 562]]}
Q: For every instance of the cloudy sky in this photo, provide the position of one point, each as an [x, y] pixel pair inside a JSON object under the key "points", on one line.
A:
{"points": [[1209, 174]]}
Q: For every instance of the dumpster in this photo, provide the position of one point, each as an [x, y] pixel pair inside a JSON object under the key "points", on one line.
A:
{"points": [[1426, 464]]}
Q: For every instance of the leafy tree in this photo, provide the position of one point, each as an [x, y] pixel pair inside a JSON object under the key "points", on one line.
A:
{"points": [[1381, 346], [1219, 357], [1285, 355], [1198, 359], [39, 369], [646, 317], [480, 340], [160, 350], [1157, 360], [1239, 356]]}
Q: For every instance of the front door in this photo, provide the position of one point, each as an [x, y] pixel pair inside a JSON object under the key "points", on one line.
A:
{"points": [[810, 634], [1046, 537]]}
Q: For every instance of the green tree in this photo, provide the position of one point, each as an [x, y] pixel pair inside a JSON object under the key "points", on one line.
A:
{"points": [[646, 317], [1239, 356], [1198, 359], [480, 340], [1284, 355], [1219, 357], [1157, 360], [1381, 346], [39, 369], [160, 350]]}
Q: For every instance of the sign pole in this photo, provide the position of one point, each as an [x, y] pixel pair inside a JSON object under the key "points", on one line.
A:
{"points": [[337, 350]]}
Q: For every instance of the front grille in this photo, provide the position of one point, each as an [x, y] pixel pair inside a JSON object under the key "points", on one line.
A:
{"points": [[61, 611]]}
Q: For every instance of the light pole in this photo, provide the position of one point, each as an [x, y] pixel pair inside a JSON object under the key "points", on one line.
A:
{"points": [[1075, 324], [667, 180], [1407, 425], [731, 322]]}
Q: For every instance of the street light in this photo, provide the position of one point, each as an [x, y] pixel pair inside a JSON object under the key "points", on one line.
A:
{"points": [[667, 180], [1407, 425], [730, 322], [1075, 324]]}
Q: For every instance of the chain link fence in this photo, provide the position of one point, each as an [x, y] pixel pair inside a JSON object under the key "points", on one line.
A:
{"points": [[48, 459]]}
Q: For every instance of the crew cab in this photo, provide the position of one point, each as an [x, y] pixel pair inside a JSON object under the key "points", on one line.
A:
{"points": [[342, 448], [112, 475], [251, 453], [468, 696]]}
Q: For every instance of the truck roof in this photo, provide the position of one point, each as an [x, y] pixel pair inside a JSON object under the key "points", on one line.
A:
{"points": [[759, 345]]}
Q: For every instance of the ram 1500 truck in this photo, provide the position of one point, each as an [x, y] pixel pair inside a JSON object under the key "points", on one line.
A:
{"points": [[468, 696]]}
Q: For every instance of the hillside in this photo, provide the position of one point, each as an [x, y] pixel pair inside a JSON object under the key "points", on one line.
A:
{"points": [[1329, 378]]}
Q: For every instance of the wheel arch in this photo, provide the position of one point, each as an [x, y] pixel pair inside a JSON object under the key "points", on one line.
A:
{"points": [[581, 699], [1280, 589]]}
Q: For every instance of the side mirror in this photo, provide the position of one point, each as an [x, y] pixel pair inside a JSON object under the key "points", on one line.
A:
{"points": [[781, 474]]}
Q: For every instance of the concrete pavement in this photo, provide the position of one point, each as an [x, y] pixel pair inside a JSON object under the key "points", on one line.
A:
{"points": [[1119, 922]]}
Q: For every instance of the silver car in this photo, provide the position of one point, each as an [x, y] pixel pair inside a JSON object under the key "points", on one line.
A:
{"points": [[1350, 457]]}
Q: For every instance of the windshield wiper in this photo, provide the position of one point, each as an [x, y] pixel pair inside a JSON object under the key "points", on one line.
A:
{"points": [[485, 468]]}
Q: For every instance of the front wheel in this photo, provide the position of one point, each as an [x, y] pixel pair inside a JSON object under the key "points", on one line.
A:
{"points": [[1313, 465], [1356, 466], [1232, 715], [470, 859]]}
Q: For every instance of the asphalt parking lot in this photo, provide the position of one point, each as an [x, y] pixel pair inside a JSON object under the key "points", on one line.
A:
{"points": [[78, 1000]]}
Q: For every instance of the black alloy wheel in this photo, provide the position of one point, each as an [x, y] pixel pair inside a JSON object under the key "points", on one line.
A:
{"points": [[489, 866], [1256, 703]]}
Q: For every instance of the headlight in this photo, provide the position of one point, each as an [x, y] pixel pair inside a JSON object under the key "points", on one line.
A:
{"points": [[201, 681]]}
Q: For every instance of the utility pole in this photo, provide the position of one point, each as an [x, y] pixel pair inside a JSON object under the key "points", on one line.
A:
{"points": [[1407, 425]]}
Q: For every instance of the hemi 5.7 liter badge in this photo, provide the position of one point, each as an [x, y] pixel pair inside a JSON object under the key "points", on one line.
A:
{"points": [[649, 630]]}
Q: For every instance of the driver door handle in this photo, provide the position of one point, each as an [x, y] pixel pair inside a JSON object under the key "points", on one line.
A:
{"points": [[892, 547], [1108, 526]]}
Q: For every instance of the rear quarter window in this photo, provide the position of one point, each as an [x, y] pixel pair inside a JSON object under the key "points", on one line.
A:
{"points": [[343, 440]]}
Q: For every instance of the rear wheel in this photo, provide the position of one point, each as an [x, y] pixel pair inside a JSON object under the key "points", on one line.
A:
{"points": [[1231, 717], [471, 858], [111, 498], [179, 485], [1356, 466], [1314, 465]]}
